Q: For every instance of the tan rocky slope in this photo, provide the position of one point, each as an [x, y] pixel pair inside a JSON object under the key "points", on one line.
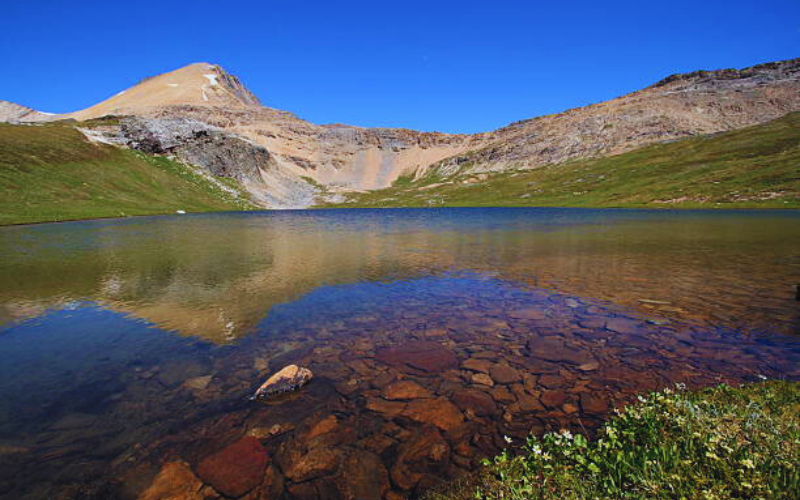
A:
{"points": [[10, 112], [291, 162], [679, 106], [199, 84]]}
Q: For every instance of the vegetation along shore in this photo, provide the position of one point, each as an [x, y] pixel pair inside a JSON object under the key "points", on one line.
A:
{"points": [[718, 443]]}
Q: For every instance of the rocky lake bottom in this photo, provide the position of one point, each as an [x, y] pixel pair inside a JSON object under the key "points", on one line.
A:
{"points": [[129, 349]]}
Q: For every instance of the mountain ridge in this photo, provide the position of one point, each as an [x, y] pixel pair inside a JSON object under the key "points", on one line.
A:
{"points": [[305, 161]]}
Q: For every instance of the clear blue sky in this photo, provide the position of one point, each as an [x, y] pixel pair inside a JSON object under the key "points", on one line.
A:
{"points": [[453, 66]]}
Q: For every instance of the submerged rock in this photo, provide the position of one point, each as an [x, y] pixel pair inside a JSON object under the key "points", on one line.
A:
{"points": [[504, 374], [236, 469], [439, 412], [622, 325], [558, 350], [289, 379], [300, 464], [422, 355], [363, 477], [198, 383], [405, 389], [478, 402], [425, 453], [175, 481]]}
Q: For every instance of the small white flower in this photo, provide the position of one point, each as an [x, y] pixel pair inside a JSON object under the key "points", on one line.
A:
{"points": [[640, 398], [508, 439]]}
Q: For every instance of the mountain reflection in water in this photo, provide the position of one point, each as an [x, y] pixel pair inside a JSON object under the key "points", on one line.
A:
{"points": [[216, 276]]}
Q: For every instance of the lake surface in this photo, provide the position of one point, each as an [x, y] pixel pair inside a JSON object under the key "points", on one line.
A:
{"points": [[129, 348]]}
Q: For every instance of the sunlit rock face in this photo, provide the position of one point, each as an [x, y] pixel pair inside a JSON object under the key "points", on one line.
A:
{"points": [[199, 84], [307, 162]]}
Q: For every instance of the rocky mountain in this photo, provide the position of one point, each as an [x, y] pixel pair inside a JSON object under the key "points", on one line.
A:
{"points": [[199, 84], [14, 113], [678, 106], [205, 116]]}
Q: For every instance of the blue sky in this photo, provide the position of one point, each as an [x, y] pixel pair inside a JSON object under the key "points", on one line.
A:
{"points": [[458, 66]]}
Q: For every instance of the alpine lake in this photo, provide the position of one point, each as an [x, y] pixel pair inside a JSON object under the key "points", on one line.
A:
{"points": [[130, 348]]}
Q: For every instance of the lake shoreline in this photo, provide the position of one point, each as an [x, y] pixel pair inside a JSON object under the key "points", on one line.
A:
{"points": [[659, 208]]}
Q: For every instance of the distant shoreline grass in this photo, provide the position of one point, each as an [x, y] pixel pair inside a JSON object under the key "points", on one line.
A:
{"points": [[719, 443]]}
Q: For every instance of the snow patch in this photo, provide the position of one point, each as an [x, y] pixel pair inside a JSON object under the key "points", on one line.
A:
{"points": [[212, 79], [205, 97], [172, 85], [119, 93]]}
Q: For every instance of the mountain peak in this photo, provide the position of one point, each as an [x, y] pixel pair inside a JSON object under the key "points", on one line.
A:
{"points": [[198, 84]]}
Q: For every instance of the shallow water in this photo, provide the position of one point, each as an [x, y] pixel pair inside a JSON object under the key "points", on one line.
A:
{"points": [[126, 345]]}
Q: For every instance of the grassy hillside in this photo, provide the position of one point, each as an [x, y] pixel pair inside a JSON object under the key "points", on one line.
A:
{"points": [[52, 173], [756, 167]]}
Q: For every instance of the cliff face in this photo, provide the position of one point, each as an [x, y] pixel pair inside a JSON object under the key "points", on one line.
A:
{"points": [[288, 162], [216, 150]]}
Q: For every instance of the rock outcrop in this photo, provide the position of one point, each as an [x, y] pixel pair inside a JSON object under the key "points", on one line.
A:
{"points": [[217, 152]]}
